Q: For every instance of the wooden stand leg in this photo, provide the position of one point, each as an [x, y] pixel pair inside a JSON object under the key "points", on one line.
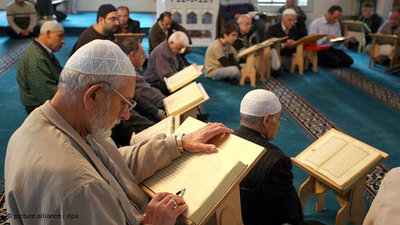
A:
{"points": [[353, 205], [319, 191], [248, 71], [229, 212], [305, 191], [298, 60], [313, 187]]}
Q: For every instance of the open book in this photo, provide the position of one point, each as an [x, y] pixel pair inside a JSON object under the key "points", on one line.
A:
{"points": [[207, 177], [166, 126], [356, 25], [183, 77], [339, 158], [185, 99]]}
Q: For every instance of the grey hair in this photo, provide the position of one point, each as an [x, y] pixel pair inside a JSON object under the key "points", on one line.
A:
{"points": [[72, 82], [179, 37], [254, 121], [240, 19]]}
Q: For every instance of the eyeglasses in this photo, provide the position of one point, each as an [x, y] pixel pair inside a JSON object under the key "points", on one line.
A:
{"points": [[128, 104]]}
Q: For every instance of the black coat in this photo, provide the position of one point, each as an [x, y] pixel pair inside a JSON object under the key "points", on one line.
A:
{"points": [[133, 27], [275, 30], [267, 193]]}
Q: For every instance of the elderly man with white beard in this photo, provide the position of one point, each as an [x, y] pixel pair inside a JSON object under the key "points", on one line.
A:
{"points": [[61, 165]]}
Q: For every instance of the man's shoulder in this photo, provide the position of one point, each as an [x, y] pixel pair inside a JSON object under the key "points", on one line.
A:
{"points": [[134, 22], [275, 26]]}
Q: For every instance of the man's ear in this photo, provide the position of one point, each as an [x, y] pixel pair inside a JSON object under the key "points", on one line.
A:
{"points": [[267, 120], [92, 95]]}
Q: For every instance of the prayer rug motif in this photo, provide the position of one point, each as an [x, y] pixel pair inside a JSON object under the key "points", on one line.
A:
{"points": [[373, 89], [316, 125], [8, 59]]}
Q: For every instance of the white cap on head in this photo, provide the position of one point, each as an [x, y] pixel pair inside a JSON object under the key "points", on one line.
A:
{"points": [[259, 103], [101, 57], [289, 11], [51, 26]]}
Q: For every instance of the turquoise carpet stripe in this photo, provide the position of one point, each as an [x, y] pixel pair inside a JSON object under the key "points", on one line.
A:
{"points": [[371, 88]]}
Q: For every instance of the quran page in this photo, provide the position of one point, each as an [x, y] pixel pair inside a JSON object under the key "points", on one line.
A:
{"points": [[205, 176], [183, 77], [184, 99], [340, 158]]}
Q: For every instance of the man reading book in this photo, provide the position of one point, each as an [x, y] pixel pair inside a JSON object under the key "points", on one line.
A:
{"points": [[165, 60], [61, 162], [267, 193], [329, 24]]}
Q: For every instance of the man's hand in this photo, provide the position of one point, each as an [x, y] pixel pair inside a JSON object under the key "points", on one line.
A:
{"points": [[329, 37], [197, 141], [25, 33], [288, 43], [164, 208]]}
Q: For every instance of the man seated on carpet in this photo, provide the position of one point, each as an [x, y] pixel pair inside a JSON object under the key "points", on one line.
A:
{"points": [[163, 29], [38, 69], [61, 162], [385, 207], [391, 27], [285, 28], [104, 29], [220, 58], [246, 38], [246, 35], [329, 25], [301, 16], [267, 193], [372, 19], [165, 60], [126, 24], [21, 17]]}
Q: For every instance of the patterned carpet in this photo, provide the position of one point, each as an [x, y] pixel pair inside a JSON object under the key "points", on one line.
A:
{"points": [[8, 59], [315, 124], [371, 88]]}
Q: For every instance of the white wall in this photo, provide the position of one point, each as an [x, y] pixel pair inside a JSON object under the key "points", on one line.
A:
{"points": [[93, 5]]}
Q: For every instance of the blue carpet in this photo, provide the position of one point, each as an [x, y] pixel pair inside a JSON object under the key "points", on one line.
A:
{"points": [[7, 43], [376, 73]]}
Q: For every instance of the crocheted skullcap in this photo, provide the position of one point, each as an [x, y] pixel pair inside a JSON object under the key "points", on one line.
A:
{"points": [[259, 103], [101, 57]]}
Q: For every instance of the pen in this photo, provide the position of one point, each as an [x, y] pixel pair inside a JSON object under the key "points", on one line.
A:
{"points": [[181, 192]]}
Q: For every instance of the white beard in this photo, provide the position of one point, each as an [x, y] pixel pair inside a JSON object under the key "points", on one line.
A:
{"points": [[101, 127]]}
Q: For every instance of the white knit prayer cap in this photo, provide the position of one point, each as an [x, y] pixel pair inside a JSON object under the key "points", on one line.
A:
{"points": [[259, 103], [289, 11], [101, 57], [51, 26]]}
